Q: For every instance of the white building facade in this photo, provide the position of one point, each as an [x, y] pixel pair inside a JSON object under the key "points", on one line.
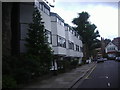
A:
{"points": [[26, 11], [73, 43], [64, 41], [111, 50]]}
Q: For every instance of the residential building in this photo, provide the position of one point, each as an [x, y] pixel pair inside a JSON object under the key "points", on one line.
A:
{"points": [[111, 50], [26, 11], [58, 38], [116, 41], [63, 43], [58, 35], [73, 44]]}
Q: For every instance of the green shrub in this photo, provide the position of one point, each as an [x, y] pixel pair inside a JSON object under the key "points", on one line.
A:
{"points": [[74, 63], [66, 65], [83, 60], [24, 68], [8, 82]]}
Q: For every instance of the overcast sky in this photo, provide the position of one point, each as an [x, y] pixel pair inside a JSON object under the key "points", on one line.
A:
{"points": [[103, 14]]}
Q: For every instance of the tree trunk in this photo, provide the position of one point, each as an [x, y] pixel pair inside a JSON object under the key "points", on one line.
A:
{"points": [[86, 51]]}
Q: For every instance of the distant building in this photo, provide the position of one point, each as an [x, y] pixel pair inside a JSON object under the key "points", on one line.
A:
{"points": [[111, 50], [116, 41]]}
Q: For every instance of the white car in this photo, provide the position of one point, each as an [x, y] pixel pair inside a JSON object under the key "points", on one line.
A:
{"points": [[117, 58]]}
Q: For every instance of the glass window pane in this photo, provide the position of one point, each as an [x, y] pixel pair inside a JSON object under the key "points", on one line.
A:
{"points": [[49, 36]]}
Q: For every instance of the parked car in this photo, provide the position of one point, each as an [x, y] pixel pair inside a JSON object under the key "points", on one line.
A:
{"points": [[100, 60], [117, 58], [105, 59]]}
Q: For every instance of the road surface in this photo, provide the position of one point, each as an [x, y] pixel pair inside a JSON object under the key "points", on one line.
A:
{"points": [[104, 75]]}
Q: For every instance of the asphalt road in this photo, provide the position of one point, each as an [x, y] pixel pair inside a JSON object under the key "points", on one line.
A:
{"points": [[105, 75]]}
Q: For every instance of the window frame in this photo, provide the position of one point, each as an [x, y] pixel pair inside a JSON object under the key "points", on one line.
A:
{"points": [[48, 32], [70, 45], [60, 44]]}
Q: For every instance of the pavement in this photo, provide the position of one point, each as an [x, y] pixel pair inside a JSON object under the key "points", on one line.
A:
{"points": [[64, 80]]}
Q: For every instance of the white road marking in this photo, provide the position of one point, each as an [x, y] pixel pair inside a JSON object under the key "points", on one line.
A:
{"points": [[109, 84]]}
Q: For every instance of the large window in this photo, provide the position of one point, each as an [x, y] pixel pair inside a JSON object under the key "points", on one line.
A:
{"points": [[49, 36], [71, 45], [111, 48], [61, 41]]}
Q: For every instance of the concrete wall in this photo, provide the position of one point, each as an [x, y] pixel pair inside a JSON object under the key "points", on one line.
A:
{"points": [[26, 11], [57, 30], [71, 37], [51, 24]]}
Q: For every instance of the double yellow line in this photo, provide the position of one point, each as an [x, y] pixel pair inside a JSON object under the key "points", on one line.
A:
{"points": [[90, 72]]}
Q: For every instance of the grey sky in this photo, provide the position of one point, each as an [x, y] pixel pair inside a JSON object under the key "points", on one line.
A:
{"points": [[103, 14]]}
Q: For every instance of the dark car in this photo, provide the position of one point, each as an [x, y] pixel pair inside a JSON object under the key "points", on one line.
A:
{"points": [[100, 60], [117, 59]]}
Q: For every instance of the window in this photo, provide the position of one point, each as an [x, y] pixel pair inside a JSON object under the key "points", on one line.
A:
{"points": [[40, 6], [47, 11], [60, 22], [57, 20], [49, 36], [75, 33], [71, 45], [81, 49], [72, 31], [44, 9], [80, 38], [77, 48], [37, 3], [67, 28], [61, 41]]}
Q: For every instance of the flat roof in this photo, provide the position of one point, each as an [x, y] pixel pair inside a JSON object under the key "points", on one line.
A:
{"points": [[43, 3], [55, 14]]}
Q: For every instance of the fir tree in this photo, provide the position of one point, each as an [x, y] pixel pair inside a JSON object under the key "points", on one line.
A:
{"points": [[37, 41]]}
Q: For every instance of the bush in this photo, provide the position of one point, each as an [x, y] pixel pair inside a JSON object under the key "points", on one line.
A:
{"points": [[8, 82], [66, 65], [18, 67], [23, 68], [83, 60], [74, 63]]}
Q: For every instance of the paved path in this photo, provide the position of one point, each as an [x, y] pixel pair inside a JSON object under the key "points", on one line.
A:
{"points": [[65, 80]]}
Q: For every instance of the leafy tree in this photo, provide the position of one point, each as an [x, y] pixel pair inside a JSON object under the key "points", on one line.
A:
{"points": [[37, 41], [88, 33], [107, 41]]}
